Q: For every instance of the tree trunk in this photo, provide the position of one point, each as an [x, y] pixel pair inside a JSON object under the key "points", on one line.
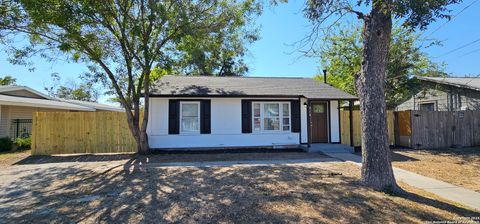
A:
{"points": [[140, 135], [376, 165], [133, 124], [144, 148]]}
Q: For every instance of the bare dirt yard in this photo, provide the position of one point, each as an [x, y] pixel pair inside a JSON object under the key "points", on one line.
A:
{"points": [[146, 189], [460, 167]]}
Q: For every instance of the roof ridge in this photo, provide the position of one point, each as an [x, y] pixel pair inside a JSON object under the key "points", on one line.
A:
{"points": [[465, 77], [242, 77]]}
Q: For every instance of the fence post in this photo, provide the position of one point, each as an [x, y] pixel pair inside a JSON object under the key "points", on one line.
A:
{"points": [[18, 127], [34, 132], [350, 108]]}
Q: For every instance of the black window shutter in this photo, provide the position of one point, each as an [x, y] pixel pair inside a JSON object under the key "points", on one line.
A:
{"points": [[205, 117], [246, 116], [295, 113], [173, 117]]}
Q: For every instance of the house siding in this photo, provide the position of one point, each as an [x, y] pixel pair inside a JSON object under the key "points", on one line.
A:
{"points": [[9, 113], [226, 128], [4, 121], [446, 98], [438, 97], [473, 100]]}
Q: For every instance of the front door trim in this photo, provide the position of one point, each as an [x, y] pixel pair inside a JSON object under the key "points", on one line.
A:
{"points": [[327, 124]]}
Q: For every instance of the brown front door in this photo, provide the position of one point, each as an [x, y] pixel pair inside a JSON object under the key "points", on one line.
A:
{"points": [[319, 122]]}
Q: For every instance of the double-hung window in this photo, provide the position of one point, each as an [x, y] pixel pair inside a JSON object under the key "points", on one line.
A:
{"points": [[190, 117], [271, 116]]}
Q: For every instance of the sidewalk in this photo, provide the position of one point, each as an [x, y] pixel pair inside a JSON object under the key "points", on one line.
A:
{"points": [[448, 191]]}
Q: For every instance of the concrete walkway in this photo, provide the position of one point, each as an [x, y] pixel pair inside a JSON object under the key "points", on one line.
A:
{"points": [[448, 191]]}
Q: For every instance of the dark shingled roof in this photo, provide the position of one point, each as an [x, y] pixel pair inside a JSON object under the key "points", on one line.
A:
{"points": [[170, 85]]}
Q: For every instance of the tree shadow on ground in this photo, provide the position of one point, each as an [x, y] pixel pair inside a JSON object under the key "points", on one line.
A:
{"points": [[130, 192], [73, 158], [467, 154], [397, 157], [178, 156], [195, 90]]}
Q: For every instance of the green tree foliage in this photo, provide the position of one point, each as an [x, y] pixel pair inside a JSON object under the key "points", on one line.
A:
{"points": [[341, 56], [8, 81], [120, 40], [219, 54], [85, 91]]}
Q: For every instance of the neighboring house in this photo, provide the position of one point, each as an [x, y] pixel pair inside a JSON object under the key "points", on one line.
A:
{"points": [[18, 103], [445, 94], [228, 112]]}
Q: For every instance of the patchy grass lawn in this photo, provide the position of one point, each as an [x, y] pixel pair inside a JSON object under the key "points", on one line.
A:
{"points": [[9, 158], [460, 167], [126, 191]]}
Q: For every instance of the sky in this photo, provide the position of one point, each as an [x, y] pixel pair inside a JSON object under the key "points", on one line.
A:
{"points": [[284, 25]]}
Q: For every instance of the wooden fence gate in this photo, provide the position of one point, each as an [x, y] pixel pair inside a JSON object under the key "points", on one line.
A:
{"points": [[403, 128], [81, 132]]}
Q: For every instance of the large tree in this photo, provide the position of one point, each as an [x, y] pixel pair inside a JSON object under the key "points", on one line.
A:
{"points": [[341, 55], [377, 17], [120, 40]]}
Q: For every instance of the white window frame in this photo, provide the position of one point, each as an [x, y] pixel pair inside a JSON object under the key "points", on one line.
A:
{"points": [[280, 113], [181, 117]]}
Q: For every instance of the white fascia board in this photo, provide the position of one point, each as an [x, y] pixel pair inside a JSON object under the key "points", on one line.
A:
{"points": [[32, 102]]}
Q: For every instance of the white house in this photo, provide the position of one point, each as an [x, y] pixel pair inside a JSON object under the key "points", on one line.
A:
{"points": [[230, 112]]}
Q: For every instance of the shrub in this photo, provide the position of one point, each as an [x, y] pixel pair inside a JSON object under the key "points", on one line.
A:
{"points": [[6, 144], [23, 143]]}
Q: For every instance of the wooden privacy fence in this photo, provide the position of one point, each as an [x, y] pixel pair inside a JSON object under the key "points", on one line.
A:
{"points": [[357, 135], [81, 132], [444, 129], [108, 132]]}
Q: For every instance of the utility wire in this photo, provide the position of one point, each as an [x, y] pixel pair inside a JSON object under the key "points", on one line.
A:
{"points": [[453, 17], [469, 53], [461, 47], [458, 48]]}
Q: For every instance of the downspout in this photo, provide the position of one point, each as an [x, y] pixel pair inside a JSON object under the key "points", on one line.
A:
{"points": [[339, 123], [308, 122], [300, 133], [329, 121]]}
